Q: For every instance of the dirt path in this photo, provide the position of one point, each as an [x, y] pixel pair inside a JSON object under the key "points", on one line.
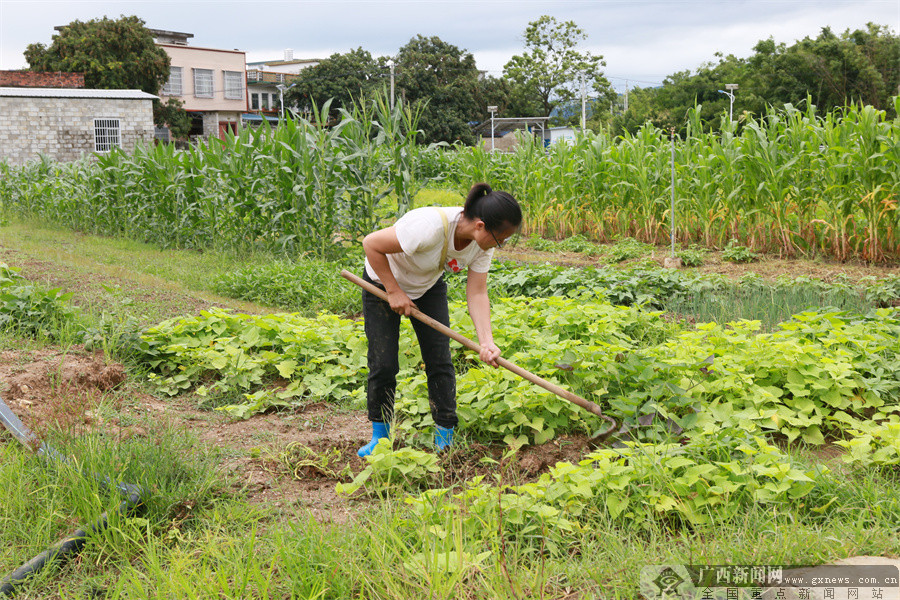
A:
{"points": [[767, 267], [96, 290]]}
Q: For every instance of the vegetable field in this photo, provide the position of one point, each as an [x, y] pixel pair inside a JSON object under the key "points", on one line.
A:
{"points": [[761, 414]]}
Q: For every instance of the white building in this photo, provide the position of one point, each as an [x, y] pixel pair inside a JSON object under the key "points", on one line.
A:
{"points": [[65, 124], [266, 82], [554, 135]]}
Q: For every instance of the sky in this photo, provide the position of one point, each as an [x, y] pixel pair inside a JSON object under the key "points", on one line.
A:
{"points": [[642, 41]]}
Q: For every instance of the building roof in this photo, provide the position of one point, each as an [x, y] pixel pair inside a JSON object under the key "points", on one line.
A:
{"points": [[176, 37], [75, 93], [280, 62], [501, 126]]}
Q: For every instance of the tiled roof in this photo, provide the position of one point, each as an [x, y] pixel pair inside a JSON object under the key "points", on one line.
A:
{"points": [[22, 92]]}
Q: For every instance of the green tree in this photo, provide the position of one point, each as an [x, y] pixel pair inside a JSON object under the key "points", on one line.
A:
{"points": [[830, 70], [492, 91], [171, 113], [445, 80], [343, 78], [859, 66], [112, 54], [551, 67]]}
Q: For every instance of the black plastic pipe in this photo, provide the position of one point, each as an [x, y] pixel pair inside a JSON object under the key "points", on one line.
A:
{"points": [[133, 504]]}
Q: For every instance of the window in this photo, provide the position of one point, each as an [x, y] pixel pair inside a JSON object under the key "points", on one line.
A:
{"points": [[173, 86], [265, 101], [106, 135], [234, 85], [203, 83], [254, 101]]}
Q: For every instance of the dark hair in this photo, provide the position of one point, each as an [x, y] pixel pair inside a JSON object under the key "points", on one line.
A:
{"points": [[498, 210]]}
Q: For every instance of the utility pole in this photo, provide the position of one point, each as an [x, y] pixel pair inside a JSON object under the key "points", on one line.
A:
{"points": [[492, 110], [583, 105], [391, 65], [672, 229], [626, 95], [730, 93], [281, 89]]}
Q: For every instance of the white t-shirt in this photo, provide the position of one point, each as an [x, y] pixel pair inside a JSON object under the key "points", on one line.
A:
{"points": [[421, 236]]}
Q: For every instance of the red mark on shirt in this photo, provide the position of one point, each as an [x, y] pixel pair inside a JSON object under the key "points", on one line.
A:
{"points": [[454, 266]]}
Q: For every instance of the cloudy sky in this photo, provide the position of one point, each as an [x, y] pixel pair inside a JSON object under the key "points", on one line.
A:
{"points": [[642, 41]]}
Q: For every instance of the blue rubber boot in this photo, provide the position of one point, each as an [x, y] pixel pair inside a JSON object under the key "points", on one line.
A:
{"points": [[379, 431], [443, 437]]}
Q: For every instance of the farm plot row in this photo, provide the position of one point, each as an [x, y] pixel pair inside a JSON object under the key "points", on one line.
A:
{"points": [[289, 191], [818, 374]]}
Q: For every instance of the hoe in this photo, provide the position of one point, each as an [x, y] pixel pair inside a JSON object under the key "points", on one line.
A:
{"points": [[133, 504]]}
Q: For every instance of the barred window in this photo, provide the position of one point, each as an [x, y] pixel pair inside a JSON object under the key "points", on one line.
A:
{"points": [[173, 86], [203, 83], [106, 135], [234, 88], [254, 101]]}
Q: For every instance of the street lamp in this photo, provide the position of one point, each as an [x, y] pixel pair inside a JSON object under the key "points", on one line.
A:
{"points": [[730, 93], [492, 110], [281, 89]]}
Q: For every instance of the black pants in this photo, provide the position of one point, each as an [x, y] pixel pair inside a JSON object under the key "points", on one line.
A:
{"points": [[383, 333]]}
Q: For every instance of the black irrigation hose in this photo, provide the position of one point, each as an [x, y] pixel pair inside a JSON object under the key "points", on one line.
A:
{"points": [[134, 503]]}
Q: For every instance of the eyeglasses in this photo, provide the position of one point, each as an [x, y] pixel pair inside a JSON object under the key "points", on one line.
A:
{"points": [[499, 243]]}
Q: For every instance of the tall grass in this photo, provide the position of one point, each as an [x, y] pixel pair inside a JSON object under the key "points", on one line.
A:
{"points": [[41, 502]]}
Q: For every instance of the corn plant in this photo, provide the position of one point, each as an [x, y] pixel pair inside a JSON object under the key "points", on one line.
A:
{"points": [[790, 181], [301, 188]]}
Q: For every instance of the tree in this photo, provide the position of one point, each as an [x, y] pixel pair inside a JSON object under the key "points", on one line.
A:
{"points": [[432, 71], [858, 66], [830, 70], [172, 114], [551, 67], [112, 54], [343, 78]]}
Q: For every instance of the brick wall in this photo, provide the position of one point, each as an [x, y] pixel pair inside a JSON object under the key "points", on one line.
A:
{"points": [[45, 80], [63, 128]]}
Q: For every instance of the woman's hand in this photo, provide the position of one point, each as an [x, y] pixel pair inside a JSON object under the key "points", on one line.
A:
{"points": [[489, 353], [400, 302]]}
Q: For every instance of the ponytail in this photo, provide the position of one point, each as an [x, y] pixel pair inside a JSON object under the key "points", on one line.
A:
{"points": [[498, 210]]}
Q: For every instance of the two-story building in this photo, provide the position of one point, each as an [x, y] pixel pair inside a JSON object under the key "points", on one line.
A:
{"points": [[266, 83], [211, 82]]}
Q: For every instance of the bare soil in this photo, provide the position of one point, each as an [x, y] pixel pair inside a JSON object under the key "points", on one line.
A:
{"points": [[49, 389], [768, 267]]}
